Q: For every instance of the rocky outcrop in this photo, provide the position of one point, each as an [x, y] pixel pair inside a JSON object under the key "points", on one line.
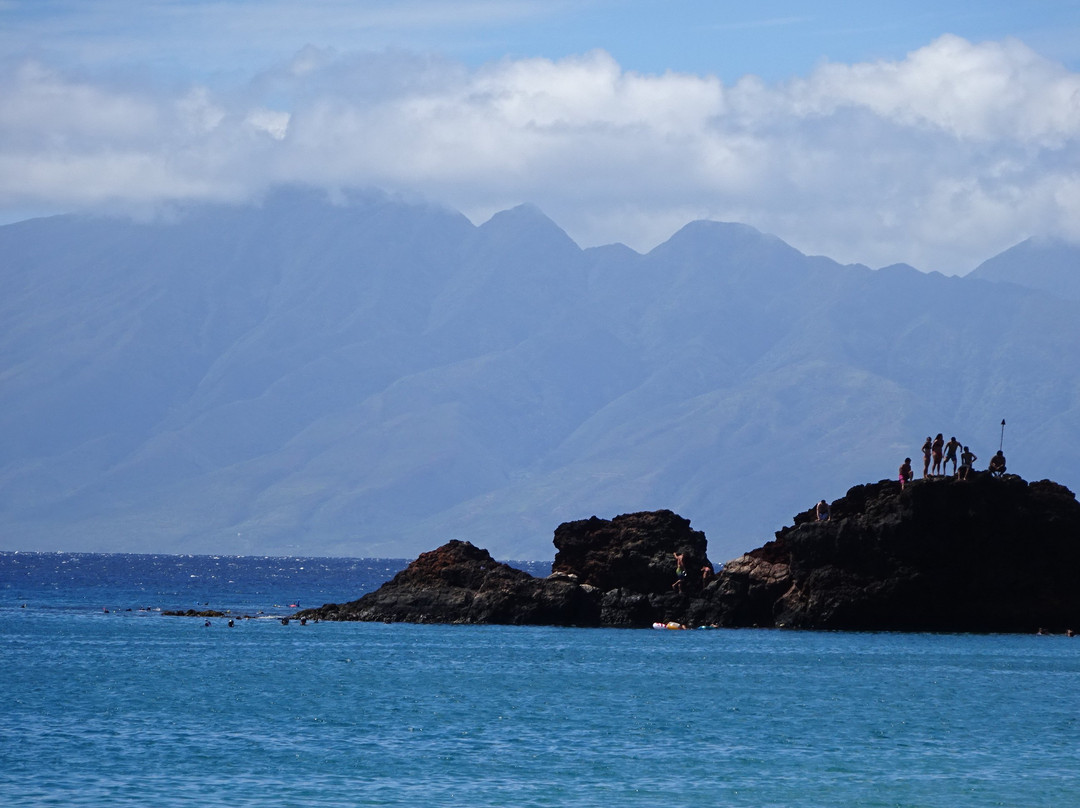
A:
{"points": [[634, 551], [630, 562], [460, 583], [607, 572], [980, 555], [983, 554]]}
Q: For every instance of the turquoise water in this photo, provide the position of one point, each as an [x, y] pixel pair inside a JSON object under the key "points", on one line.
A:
{"points": [[138, 709]]}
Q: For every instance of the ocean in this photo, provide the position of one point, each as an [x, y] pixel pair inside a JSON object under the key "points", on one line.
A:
{"points": [[107, 702]]}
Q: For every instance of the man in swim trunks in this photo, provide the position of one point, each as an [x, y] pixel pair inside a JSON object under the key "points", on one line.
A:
{"points": [[967, 460], [680, 571], [822, 511], [950, 454]]}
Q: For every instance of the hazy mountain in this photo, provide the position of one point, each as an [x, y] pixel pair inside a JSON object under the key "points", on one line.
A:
{"points": [[375, 377], [1049, 264]]}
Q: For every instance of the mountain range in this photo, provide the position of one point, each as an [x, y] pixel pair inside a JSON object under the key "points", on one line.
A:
{"points": [[372, 376]]}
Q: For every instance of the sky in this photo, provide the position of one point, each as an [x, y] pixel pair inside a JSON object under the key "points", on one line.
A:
{"points": [[931, 133]]}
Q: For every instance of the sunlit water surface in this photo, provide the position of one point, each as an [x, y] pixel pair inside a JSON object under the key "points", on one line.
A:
{"points": [[132, 708]]}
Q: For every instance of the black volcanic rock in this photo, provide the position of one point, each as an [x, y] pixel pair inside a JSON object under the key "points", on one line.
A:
{"points": [[985, 554], [608, 572], [460, 583], [630, 560], [633, 551], [979, 555]]}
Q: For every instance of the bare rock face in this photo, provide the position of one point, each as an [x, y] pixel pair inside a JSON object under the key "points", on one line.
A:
{"points": [[618, 572], [981, 555], [633, 552], [984, 554], [460, 583]]}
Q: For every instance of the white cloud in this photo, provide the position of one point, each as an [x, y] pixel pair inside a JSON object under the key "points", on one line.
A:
{"points": [[982, 92], [939, 159], [39, 104], [273, 122], [198, 113]]}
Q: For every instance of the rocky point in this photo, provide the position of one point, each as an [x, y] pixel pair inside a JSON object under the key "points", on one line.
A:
{"points": [[986, 554]]}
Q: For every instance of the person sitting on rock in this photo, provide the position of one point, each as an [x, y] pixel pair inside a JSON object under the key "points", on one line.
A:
{"points": [[950, 454], [822, 511], [905, 473], [967, 460], [997, 464]]}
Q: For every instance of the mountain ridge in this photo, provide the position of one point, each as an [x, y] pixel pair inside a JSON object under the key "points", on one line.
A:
{"points": [[1043, 263], [371, 377]]}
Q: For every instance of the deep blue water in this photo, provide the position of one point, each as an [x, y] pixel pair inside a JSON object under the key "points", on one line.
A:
{"points": [[121, 581], [138, 709]]}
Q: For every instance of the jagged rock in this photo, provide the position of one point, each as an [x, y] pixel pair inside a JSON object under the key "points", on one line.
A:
{"points": [[622, 608], [616, 572], [633, 552], [460, 583], [983, 554]]}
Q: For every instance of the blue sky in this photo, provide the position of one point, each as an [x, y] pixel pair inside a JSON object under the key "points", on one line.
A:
{"points": [[205, 39], [932, 133]]}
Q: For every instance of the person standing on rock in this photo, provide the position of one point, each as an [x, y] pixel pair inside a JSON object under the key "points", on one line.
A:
{"points": [[967, 460], [926, 448], [950, 454], [935, 451], [822, 511], [905, 473]]}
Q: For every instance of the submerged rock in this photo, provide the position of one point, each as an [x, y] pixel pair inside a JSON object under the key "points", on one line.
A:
{"points": [[984, 554], [193, 613]]}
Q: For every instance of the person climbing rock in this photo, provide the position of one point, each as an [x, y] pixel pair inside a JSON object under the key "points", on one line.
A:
{"points": [[905, 472], [822, 511], [680, 572]]}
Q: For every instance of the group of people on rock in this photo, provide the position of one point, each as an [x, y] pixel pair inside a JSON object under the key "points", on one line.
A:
{"points": [[937, 454]]}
